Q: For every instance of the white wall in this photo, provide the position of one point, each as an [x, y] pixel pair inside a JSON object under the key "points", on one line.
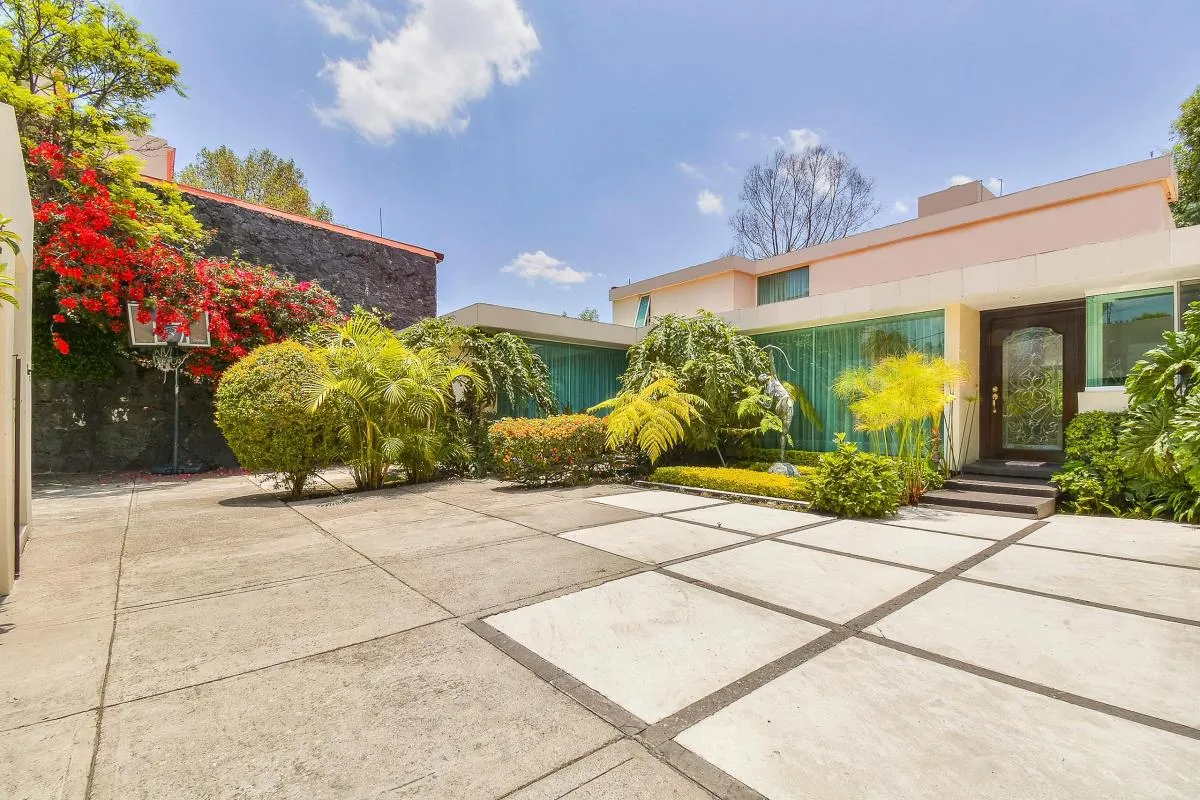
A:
{"points": [[15, 333]]}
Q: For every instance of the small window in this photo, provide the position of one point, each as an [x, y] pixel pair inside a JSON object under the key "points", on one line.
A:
{"points": [[1189, 292], [1121, 327], [782, 286], [643, 312]]}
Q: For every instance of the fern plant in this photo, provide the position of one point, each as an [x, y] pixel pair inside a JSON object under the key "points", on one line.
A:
{"points": [[654, 418]]}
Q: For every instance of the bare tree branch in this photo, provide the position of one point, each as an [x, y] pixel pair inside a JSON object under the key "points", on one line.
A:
{"points": [[799, 199]]}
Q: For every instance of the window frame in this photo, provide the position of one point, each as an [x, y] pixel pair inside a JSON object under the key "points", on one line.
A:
{"points": [[642, 318], [758, 285], [1093, 327]]}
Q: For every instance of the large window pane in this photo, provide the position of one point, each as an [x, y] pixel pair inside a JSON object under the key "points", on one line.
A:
{"points": [[783, 286], [1121, 327], [582, 376]]}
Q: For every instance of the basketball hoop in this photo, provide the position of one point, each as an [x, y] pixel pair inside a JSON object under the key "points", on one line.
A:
{"points": [[168, 352]]}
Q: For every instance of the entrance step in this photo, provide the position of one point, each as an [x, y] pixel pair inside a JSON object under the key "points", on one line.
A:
{"points": [[1011, 468], [1020, 505], [996, 484]]}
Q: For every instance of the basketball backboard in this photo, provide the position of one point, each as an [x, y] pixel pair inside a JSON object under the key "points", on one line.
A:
{"points": [[145, 334]]}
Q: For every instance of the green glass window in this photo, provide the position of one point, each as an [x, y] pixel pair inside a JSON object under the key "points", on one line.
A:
{"points": [[1121, 327], [819, 355], [643, 312], [1189, 292], [581, 376], [783, 286]]}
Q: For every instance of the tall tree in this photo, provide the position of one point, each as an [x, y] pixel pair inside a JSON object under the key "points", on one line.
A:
{"points": [[1186, 133], [590, 315], [797, 199], [261, 177]]}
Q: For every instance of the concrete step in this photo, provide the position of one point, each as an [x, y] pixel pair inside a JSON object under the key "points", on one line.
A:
{"points": [[1034, 487], [1014, 504], [1012, 468]]}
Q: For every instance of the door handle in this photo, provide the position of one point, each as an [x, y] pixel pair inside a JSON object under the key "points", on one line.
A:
{"points": [[995, 397]]}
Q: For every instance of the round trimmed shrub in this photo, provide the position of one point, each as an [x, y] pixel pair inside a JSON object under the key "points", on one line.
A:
{"points": [[562, 449], [262, 410], [851, 483]]}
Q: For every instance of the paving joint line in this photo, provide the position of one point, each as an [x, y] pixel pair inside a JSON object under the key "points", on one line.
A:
{"points": [[1081, 601], [1115, 558], [572, 762], [254, 587]]}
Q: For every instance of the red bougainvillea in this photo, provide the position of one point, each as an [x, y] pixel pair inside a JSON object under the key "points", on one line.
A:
{"points": [[101, 265]]}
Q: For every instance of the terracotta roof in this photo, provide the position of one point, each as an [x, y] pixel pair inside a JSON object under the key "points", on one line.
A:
{"points": [[316, 223]]}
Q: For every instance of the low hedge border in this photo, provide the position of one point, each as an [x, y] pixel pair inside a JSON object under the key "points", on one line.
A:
{"points": [[799, 458], [736, 481], [717, 494]]}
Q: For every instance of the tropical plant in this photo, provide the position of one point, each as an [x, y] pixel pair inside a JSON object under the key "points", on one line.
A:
{"points": [[394, 401], [561, 449], [1094, 479], [851, 483], [11, 240], [898, 402], [264, 413], [653, 418], [708, 358], [1186, 133]]}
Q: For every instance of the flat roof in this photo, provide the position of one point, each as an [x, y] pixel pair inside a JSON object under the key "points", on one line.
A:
{"points": [[548, 327], [316, 223], [1160, 170]]}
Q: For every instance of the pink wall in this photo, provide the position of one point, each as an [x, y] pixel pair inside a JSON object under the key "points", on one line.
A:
{"points": [[1099, 218]]}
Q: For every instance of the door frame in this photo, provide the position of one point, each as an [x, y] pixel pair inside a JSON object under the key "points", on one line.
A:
{"points": [[1068, 317]]}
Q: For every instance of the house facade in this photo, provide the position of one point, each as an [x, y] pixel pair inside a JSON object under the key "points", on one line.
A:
{"points": [[1048, 295]]}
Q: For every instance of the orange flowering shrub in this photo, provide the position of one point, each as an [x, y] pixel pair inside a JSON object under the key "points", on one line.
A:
{"points": [[562, 449]]}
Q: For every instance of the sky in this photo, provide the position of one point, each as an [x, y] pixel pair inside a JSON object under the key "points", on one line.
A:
{"points": [[553, 149]]}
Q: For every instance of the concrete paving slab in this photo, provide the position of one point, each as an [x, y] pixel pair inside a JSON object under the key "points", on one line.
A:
{"points": [[69, 550], [195, 570], [479, 578], [936, 551], [758, 520], [182, 644], [443, 534], [51, 670], [832, 587], [414, 510], [48, 760], [861, 720], [1172, 591], [985, 526], [45, 597], [436, 712], [655, 501], [564, 515], [594, 490], [623, 769], [213, 534], [654, 644], [1138, 663], [485, 496], [654, 540], [1151, 540], [348, 505]]}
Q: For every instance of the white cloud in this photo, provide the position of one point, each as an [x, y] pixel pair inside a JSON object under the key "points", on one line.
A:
{"points": [[540, 266], [995, 185], [900, 207], [742, 136], [710, 203], [422, 76], [798, 139], [690, 170], [959, 180], [356, 19]]}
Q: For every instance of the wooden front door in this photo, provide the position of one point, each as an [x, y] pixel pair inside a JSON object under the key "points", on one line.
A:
{"points": [[1031, 369]]}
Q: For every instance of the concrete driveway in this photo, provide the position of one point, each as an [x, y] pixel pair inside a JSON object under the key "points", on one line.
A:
{"points": [[468, 640]]}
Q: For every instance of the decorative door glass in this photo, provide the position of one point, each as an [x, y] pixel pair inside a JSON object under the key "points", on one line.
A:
{"points": [[1032, 390]]}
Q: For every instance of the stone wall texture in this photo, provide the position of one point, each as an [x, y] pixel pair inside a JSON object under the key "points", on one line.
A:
{"points": [[125, 424]]}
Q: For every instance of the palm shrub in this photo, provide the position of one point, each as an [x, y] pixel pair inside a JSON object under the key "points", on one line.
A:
{"points": [[561, 449], [263, 410], [653, 418], [396, 403], [898, 402], [708, 358], [851, 483]]}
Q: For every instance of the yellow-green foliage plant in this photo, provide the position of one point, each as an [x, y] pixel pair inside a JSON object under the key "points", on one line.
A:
{"points": [[396, 403], [742, 481], [262, 409], [898, 402], [653, 419]]}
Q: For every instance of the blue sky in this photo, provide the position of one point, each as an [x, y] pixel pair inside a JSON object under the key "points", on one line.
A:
{"points": [[552, 149]]}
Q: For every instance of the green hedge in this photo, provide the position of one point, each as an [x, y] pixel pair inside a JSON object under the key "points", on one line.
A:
{"points": [[743, 481], [800, 458], [561, 449], [851, 483]]}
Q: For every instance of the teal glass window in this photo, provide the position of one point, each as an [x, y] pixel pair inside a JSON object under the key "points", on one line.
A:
{"points": [[782, 286], [1121, 327], [643, 312], [581, 375]]}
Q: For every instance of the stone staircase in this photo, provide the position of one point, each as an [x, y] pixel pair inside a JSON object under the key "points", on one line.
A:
{"points": [[993, 486]]}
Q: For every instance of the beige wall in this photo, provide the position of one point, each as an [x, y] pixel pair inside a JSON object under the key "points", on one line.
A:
{"points": [[722, 292], [962, 345], [14, 343], [624, 311], [1101, 218]]}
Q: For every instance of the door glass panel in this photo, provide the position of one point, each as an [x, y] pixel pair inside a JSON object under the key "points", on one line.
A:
{"points": [[1032, 390]]}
